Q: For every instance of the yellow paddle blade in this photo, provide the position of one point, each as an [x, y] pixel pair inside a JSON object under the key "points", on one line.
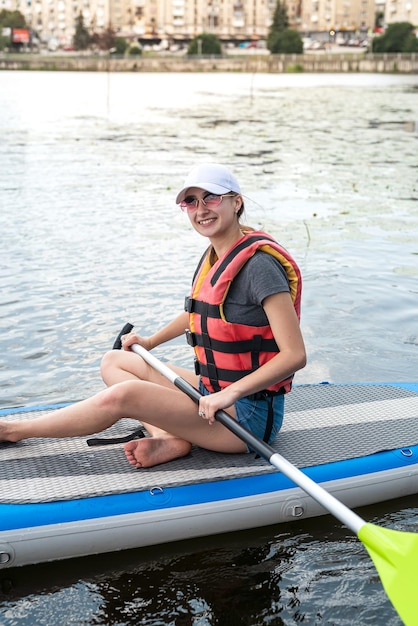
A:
{"points": [[395, 555]]}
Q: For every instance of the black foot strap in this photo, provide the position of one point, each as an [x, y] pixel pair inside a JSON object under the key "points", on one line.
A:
{"points": [[136, 434], [103, 441]]}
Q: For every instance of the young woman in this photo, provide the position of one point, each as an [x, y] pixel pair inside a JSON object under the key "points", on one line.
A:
{"points": [[242, 317]]}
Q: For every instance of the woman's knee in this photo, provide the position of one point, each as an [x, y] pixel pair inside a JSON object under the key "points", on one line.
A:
{"points": [[109, 361], [119, 399], [116, 364]]}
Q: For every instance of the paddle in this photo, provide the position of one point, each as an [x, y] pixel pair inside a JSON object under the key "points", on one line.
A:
{"points": [[394, 553]]}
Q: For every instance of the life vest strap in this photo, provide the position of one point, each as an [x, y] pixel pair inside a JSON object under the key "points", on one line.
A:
{"points": [[196, 306], [269, 421], [232, 376], [228, 376], [236, 250], [236, 347], [267, 393]]}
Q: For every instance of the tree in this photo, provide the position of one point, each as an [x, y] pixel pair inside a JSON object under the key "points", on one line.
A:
{"points": [[104, 40], [135, 50], [121, 45], [280, 18], [82, 37], [399, 37], [286, 42], [206, 43], [281, 39], [12, 19]]}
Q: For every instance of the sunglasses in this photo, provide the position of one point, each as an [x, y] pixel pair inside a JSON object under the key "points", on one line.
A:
{"points": [[210, 200]]}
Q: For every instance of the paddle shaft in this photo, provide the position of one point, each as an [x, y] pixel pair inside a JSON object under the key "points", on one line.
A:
{"points": [[325, 499]]}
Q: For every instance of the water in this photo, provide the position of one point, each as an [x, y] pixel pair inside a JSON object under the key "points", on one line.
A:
{"points": [[91, 238]]}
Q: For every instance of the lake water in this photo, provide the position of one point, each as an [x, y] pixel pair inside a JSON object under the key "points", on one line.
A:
{"points": [[91, 238]]}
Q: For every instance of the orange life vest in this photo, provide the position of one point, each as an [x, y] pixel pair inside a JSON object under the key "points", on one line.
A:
{"points": [[225, 351]]}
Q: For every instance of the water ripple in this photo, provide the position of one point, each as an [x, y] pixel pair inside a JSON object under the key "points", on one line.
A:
{"points": [[91, 238]]}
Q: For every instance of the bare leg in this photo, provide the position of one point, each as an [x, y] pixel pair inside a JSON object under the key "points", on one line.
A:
{"points": [[158, 405], [161, 446], [84, 418], [119, 366]]}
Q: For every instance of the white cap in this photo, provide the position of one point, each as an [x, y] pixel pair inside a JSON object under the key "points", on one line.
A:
{"points": [[210, 177]]}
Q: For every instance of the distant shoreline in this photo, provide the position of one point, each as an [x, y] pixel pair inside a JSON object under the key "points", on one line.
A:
{"points": [[325, 62]]}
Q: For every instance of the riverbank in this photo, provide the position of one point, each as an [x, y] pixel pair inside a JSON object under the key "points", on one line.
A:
{"points": [[280, 63]]}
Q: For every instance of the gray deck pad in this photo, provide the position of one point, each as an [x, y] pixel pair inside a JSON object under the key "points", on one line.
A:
{"points": [[323, 424]]}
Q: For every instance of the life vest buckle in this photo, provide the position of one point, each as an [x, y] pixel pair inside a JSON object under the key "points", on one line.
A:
{"points": [[191, 338], [188, 304]]}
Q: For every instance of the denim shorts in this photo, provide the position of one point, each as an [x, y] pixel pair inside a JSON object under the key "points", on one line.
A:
{"points": [[253, 414]]}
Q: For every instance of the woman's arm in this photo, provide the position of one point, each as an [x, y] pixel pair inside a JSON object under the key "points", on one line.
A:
{"points": [[292, 357], [173, 329], [286, 331]]}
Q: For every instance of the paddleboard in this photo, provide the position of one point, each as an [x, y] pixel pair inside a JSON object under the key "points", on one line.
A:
{"points": [[61, 498]]}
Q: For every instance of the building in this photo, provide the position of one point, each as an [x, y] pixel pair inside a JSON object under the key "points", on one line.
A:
{"points": [[230, 20], [177, 21], [55, 19], [401, 11], [335, 16]]}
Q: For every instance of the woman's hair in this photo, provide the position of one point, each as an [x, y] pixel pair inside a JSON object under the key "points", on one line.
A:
{"points": [[241, 209], [240, 213]]}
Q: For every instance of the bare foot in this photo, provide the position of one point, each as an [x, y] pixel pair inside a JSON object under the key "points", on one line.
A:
{"points": [[155, 450], [7, 432]]}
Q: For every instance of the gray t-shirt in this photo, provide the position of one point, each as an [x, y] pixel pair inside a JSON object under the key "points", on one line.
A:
{"points": [[261, 276]]}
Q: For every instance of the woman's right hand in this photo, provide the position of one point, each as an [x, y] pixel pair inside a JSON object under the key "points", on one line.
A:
{"points": [[130, 338]]}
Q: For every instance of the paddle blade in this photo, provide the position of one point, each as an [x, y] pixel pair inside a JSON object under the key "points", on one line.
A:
{"points": [[395, 555]]}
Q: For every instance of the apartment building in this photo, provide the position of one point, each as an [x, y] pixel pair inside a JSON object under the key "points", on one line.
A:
{"points": [[401, 11], [325, 16], [181, 20], [57, 18], [184, 19]]}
